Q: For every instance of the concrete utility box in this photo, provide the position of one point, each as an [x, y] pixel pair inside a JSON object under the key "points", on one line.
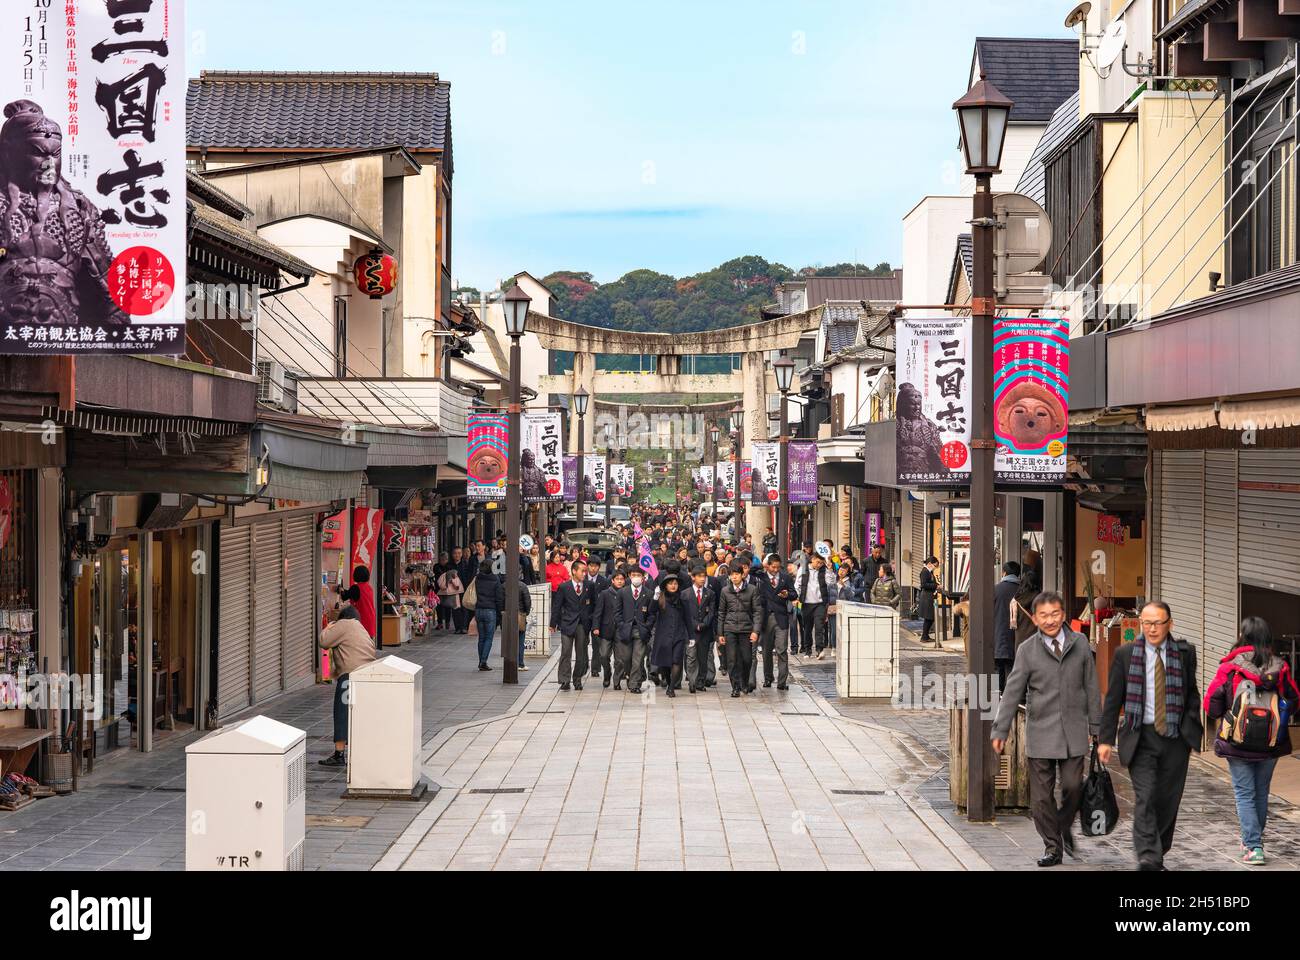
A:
{"points": [[537, 638], [866, 652], [385, 729], [246, 798]]}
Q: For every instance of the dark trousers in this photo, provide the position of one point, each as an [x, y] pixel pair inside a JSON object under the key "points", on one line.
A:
{"points": [[1159, 773], [460, 619], [573, 646], [776, 641], [1004, 668], [926, 627], [740, 659], [634, 666], [602, 649], [699, 660], [814, 626], [1051, 821]]}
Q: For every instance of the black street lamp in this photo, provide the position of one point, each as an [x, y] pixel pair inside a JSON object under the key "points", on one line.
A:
{"points": [[784, 370], [713, 460], [983, 114], [516, 304], [738, 455], [580, 401]]}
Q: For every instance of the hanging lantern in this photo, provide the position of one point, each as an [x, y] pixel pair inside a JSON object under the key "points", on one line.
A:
{"points": [[375, 274]]}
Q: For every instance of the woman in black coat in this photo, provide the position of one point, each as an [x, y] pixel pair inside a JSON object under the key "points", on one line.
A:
{"points": [[672, 633], [929, 588]]}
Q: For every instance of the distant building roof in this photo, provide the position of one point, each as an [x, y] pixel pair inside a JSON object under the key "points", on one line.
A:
{"points": [[1033, 182], [964, 260], [319, 111], [1038, 75], [854, 289]]}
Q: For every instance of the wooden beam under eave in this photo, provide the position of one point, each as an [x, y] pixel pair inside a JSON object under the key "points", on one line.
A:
{"points": [[1188, 62], [1222, 45], [1261, 20]]}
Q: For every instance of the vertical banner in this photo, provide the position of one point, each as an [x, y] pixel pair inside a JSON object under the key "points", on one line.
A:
{"points": [[570, 479], [934, 402], [706, 482], [874, 530], [541, 460], [728, 484], [489, 437], [803, 472], [766, 480], [92, 176], [629, 479], [719, 484], [1031, 399], [599, 479], [334, 532], [745, 482], [368, 524]]}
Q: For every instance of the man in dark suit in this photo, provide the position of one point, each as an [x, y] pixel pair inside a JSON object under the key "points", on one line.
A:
{"points": [[700, 603], [1153, 683], [776, 587], [739, 621], [1004, 635], [605, 622], [597, 584], [636, 630], [571, 610]]}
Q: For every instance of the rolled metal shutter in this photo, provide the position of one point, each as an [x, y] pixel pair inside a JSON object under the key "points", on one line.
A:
{"points": [[1182, 543], [1221, 589], [919, 553], [299, 603], [234, 621], [268, 609], [1270, 519]]}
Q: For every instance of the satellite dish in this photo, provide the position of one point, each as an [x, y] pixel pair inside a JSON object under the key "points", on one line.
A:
{"points": [[1027, 239], [1078, 15], [1112, 43]]}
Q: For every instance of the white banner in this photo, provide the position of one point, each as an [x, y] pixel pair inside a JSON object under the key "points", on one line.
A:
{"points": [[542, 458], [767, 475], [92, 176], [706, 482], [728, 485], [597, 470], [934, 402]]}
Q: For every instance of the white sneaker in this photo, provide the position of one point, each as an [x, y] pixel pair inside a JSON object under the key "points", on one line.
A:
{"points": [[822, 655], [523, 668]]}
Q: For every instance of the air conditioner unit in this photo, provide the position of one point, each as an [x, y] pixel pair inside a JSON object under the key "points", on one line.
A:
{"points": [[270, 382]]}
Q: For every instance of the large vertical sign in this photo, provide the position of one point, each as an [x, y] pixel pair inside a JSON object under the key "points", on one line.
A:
{"points": [[1031, 399], [803, 472], [489, 439], [541, 458], [745, 482], [706, 481], [629, 480], [570, 479], [92, 176], [934, 402], [766, 480], [728, 484], [368, 524], [599, 472]]}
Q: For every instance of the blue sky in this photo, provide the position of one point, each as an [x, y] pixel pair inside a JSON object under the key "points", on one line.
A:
{"points": [[673, 135]]}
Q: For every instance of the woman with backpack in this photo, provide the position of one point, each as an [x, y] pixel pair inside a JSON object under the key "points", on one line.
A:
{"points": [[1253, 695]]}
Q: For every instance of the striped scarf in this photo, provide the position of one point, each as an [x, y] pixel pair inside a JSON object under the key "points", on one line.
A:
{"points": [[1135, 700]]}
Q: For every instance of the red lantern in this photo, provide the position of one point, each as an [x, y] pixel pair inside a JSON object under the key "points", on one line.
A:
{"points": [[375, 274]]}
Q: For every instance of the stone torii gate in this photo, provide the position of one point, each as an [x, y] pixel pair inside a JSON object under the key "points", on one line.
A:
{"points": [[753, 382]]}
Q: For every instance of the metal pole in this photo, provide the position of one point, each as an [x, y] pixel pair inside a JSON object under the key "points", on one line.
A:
{"points": [[514, 508], [609, 500], [783, 502], [980, 761], [582, 471]]}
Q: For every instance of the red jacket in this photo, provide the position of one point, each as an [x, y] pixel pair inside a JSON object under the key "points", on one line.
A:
{"points": [[366, 608], [1222, 692], [557, 574]]}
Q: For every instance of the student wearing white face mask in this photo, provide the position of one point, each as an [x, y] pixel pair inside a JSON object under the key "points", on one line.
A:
{"points": [[636, 619]]}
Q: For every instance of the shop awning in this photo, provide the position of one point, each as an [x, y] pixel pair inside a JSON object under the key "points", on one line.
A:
{"points": [[1260, 414], [1180, 419], [305, 465]]}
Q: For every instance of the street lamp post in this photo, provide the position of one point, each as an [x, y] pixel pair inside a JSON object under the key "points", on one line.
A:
{"points": [[609, 500], [983, 114], [713, 460], [580, 401], [516, 304], [784, 370]]}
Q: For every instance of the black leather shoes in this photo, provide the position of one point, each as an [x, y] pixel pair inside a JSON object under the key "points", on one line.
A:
{"points": [[607, 683], [1052, 860], [735, 693], [564, 686], [766, 684]]}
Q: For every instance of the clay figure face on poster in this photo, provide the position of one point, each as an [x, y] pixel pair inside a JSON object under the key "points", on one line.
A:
{"points": [[1029, 414], [57, 259]]}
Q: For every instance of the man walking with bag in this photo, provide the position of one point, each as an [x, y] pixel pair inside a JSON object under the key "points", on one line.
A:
{"points": [[1153, 684], [1055, 675]]}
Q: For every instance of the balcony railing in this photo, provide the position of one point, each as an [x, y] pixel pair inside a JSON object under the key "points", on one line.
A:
{"points": [[416, 404]]}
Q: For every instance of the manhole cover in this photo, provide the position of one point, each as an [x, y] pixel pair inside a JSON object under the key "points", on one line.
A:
{"points": [[347, 823]]}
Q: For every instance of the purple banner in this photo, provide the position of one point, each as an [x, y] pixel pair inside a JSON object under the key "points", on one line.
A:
{"points": [[570, 479], [803, 473]]}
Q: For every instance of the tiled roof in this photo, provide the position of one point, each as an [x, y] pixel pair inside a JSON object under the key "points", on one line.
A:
{"points": [[853, 289], [1192, 14], [840, 336], [320, 111], [212, 222], [1033, 182], [966, 258], [1038, 75]]}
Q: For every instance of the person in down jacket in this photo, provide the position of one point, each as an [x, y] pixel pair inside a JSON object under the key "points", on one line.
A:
{"points": [[1252, 662]]}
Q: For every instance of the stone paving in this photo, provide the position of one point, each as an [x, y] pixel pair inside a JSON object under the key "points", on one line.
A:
{"points": [[606, 780], [130, 814]]}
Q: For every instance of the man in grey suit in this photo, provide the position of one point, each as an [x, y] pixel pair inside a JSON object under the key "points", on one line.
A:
{"points": [[1056, 677]]}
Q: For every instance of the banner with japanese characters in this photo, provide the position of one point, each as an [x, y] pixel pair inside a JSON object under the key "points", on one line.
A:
{"points": [[629, 480], [570, 479], [727, 482], [541, 458], [766, 479], [489, 437], [93, 225], [706, 482], [623, 478], [1031, 399], [598, 473], [745, 481], [803, 489], [934, 402]]}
